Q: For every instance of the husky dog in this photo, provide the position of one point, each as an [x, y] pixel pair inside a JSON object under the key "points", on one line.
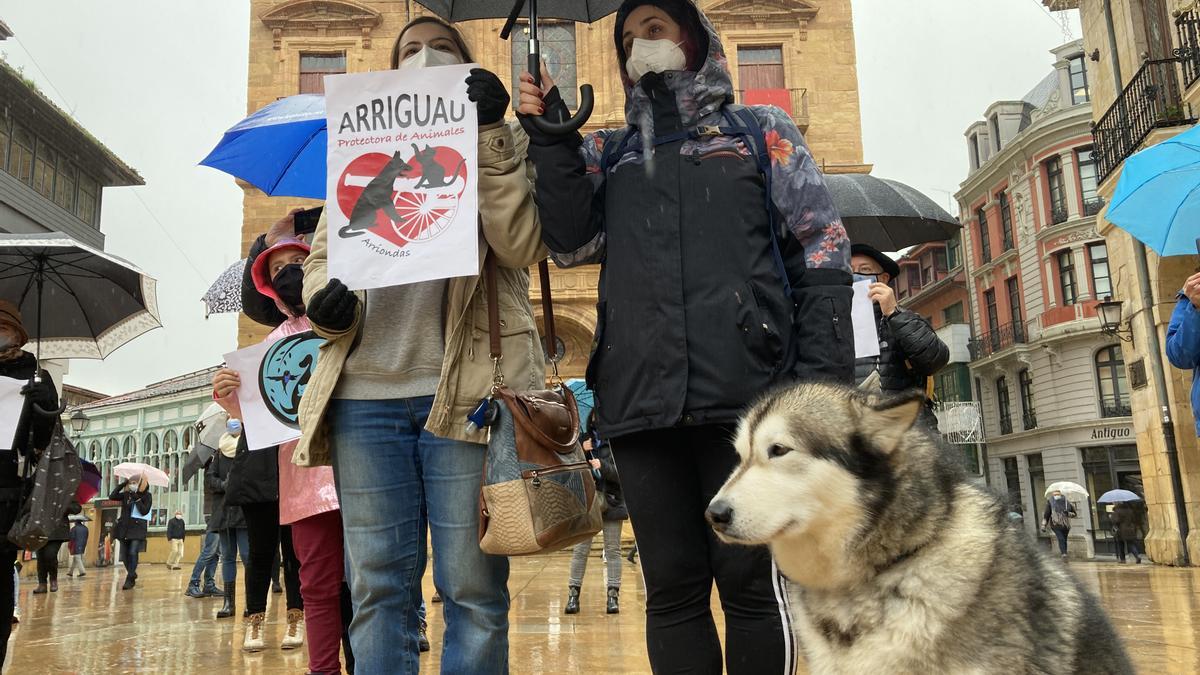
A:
{"points": [[896, 563]]}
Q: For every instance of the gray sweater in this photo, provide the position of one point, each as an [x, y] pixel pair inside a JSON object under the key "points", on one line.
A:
{"points": [[401, 344]]}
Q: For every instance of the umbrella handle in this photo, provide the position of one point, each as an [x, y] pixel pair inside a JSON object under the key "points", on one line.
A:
{"points": [[49, 413], [563, 127]]}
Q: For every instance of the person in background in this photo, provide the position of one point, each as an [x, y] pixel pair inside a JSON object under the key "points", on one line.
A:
{"points": [[47, 555], [176, 531], [130, 530], [1057, 517], [1183, 338], [16, 579], [78, 541], [1126, 520], [227, 520], [206, 562], [34, 432], [400, 372], [615, 515]]}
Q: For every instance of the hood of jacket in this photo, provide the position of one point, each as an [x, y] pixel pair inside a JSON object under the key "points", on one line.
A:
{"points": [[699, 95]]}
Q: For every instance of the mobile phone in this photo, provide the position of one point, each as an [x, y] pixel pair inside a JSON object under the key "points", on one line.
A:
{"points": [[305, 222]]}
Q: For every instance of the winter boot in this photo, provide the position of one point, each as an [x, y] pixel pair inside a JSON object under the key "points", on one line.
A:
{"points": [[211, 590], [54, 582], [41, 588], [254, 633], [294, 637], [130, 582], [193, 590], [572, 600], [227, 610], [614, 605], [423, 636]]}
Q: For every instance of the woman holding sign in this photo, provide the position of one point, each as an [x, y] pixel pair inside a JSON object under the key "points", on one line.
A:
{"points": [[725, 272], [402, 368]]}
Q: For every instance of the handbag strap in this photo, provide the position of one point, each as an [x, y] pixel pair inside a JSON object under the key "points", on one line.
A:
{"points": [[493, 309]]}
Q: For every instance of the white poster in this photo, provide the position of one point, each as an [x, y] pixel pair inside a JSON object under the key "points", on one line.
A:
{"points": [[862, 315], [274, 376], [11, 404], [402, 198]]}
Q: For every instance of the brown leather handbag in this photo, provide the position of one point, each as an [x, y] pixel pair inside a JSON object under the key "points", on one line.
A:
{"points": [[538, 494]]}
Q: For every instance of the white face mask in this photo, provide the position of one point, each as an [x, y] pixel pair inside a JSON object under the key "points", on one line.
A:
{"points": [[429, 58], [654, 56], [6, 341]]}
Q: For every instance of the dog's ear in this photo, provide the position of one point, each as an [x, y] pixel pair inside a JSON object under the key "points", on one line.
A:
{"points": [[887, 420]]}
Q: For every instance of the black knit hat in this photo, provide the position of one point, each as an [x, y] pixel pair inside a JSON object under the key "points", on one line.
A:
{"points": [[889, 266], [683, 12]]}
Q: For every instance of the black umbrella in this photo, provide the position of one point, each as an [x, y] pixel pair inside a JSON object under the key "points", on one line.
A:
{"points": [[76, 301], [585, 11], [887, 214]]}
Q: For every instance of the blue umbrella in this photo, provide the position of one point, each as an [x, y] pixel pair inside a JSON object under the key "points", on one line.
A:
{"points": [[1117, 496], [584, 400], [1157, 199], [280, 149]]}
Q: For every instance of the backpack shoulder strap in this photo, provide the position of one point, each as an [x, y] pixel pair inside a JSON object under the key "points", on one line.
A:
{"points": [[614, 148]]}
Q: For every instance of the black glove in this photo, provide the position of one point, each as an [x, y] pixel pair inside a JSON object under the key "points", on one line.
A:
{"points": [[556, 109], [333, 307], [41, 393], [489, 95]]}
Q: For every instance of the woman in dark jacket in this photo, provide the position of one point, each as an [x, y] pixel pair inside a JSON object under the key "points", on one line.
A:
{"points": [[724, 273], [1126, 520], [227, 520], [34, 431], [130, 529], [47, 555]]}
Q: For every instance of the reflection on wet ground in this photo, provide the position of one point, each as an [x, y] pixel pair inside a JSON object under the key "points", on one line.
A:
{"points": [[91, 626]]}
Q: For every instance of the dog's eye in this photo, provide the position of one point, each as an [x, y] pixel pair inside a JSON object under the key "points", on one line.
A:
{"points": [[778, 450]]}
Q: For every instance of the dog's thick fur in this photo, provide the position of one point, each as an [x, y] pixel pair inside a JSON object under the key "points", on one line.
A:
{"points": [[896, 563]]}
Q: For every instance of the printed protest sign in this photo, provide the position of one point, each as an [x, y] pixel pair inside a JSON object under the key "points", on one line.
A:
{"points": [[11, 404], [402, 198], [274, 376], [862, 316]]}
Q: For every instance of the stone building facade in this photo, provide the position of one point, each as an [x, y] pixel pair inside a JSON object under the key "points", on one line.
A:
{"points": [[1052, 386], [796, 53], [1144, 78]]}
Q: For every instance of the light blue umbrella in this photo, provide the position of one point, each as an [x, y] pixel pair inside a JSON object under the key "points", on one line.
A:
{"points": [[1117, 496], [584, 400], [280, 149], [1157, 199]]}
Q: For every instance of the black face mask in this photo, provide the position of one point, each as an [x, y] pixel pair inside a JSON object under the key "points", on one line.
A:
{"points": [[289, 284]]}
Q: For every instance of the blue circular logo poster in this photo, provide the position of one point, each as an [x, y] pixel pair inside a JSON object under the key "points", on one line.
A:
{"points": [[285, 372]]}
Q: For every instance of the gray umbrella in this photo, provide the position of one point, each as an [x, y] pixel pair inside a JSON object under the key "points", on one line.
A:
{"points": [[887, 214], [225, 294], [93, 302]]}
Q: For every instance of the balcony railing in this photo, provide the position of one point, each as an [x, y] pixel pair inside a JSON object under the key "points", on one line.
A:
{"points": [[1029, 419], [1152, 100], [1187, 29], [1115, 408], [1092, 206], [794, 101], [998, 340], [1059, 214]]}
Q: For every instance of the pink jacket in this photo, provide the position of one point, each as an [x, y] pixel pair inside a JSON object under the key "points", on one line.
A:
{"points": [[303, 492]]}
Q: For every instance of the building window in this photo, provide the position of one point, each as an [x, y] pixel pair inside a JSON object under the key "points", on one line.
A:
{"points": [[5, 136], [314, 68], [1003, 405], [1012, 482], [1028, 411], [1037, 481], [1058, 190], [1079, 83], [44, 165], [558, 51], [89, 193], [976, 153], [927, 275], [1101, 281], [1066, 277], [64, 186], [953, 314], [1014, 307], [993, 321], [1114, 391], [20, 160], [985, 238], [995, 128], [954, 251], [760, 68], [1088, 185], [1006, 225]]}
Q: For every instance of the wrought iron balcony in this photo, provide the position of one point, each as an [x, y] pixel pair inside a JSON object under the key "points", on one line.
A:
{"points": [[1092, 206], [1153, 99], [1029, 419], [1115, 408], [1187, 30], [1059, 214], [998, 340]]}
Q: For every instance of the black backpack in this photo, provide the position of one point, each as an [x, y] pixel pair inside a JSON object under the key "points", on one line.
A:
{"points": [[48, 492]]}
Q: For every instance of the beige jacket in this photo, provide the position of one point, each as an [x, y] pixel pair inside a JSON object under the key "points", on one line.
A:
{"points": [[511, 231]]}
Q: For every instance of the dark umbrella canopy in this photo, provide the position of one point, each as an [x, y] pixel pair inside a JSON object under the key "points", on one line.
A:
{"points": [[89, 304], [586, 11], [887, 214]]}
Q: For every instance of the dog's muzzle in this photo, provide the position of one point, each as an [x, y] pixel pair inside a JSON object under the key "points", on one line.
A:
{"points": [[719, 515]]}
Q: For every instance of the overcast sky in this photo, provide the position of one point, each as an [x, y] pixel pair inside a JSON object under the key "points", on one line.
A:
{"points": [[158, 82]]}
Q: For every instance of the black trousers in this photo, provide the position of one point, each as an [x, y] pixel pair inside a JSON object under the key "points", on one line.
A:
{"points": [[47, 561], [266, 539], [668, 477], [8, 558]]}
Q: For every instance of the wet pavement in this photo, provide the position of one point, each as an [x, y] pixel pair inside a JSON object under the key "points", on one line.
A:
{"points": [[91, 626]]}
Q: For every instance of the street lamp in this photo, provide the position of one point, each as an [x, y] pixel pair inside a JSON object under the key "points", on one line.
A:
{"points": [[1110, 312], [79, 421]]}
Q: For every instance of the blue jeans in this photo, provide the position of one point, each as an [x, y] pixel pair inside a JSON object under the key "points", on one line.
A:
{"points": [[1060, 533], [233, 540], [206, 562], [393, 479]]}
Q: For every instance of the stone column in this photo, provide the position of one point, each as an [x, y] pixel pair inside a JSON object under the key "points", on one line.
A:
{"points": [[1083, 274], [1070, 175]]}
